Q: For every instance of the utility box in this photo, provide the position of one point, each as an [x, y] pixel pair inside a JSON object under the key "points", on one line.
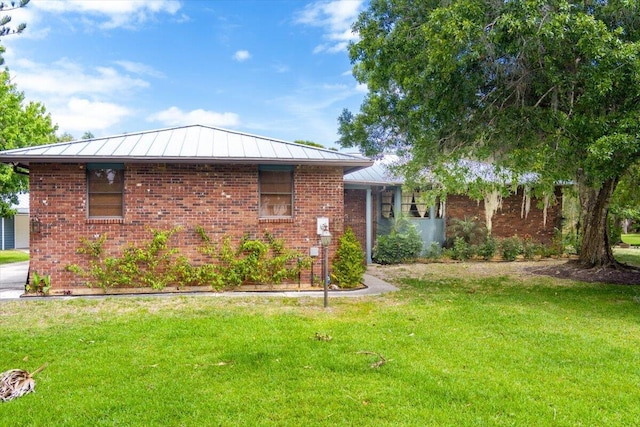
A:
{"points": [[314, 251], [322, 224]]}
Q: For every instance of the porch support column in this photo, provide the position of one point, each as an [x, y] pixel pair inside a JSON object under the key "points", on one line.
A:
{"points": [[369, 225]]}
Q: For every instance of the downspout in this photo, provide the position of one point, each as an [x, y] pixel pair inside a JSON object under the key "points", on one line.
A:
{"points": [[369, 226]]}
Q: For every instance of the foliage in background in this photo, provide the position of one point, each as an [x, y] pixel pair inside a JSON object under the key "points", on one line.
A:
{"points": [[402, 244], [461, 250], [434, 251], [549, 87], [468, 229], [510, 248], [625, 203], [349, 263], [21, 125], [157, 264], [488, 249]]}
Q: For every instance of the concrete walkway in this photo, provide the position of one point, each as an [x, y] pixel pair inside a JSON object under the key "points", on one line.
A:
{"points": [[14, 276]]}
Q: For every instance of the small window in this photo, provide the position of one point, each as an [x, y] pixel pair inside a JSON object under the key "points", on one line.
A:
{"points": [[105, 184], [386, 203], [276, 193], [414, 205]]}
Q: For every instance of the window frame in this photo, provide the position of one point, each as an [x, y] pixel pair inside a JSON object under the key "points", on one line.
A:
{"points": [[90, 167], [291, 193]]}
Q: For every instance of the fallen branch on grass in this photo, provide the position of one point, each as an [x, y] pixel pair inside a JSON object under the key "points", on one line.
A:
{"points": [[381, 359], [17, 382]]}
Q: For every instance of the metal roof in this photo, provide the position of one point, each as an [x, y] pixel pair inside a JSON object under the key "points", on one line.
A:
{"points": [[381, 173], [187, 144], [377, 174]]}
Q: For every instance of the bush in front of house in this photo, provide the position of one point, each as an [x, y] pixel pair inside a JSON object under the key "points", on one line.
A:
{"points": [[510, 248], [157, 264], [488, 249], [349, 261], [402, 244], [461, 250]]}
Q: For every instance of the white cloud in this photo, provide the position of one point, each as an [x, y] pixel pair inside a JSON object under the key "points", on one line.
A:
{"points": [[241, 55], [280, 68], [140, 68], [109, 14], [81, 115], [362, 88], [79, 98], [65, 78], [174, 116], [335, 17]]}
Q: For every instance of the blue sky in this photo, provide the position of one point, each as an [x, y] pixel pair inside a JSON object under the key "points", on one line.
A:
{"points": [[276, 68]]}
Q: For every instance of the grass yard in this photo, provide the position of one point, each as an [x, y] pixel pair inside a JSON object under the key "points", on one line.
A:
{"points": [[631, 239], [452, 348], [629, 256], [9, 256]]}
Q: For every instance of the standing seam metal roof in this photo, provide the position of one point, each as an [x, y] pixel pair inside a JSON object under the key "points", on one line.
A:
{"points": [[188, 144]]}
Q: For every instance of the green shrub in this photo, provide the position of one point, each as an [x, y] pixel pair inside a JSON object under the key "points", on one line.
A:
{"points": [[434, 251], [473, 232], [349, 262], [530, 249], [461, 249], [402, 244], [615, 231], [39, 284], [510, 248], [155, 264], [488, 249]]}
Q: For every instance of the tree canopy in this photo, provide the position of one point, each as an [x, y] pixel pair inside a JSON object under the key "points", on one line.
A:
{"points": [[21, 124], [6, 29], [544, 86]]}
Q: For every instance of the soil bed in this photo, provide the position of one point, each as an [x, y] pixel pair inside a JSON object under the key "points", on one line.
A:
{"points": [[562, 268]]}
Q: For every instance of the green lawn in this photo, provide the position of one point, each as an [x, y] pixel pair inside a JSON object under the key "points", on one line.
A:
{"points": [[13, 256], [632, 239], [483, 351], [629, 256]]}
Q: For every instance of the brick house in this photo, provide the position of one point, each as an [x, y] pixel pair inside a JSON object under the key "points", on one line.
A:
{"points": [[374, 196], [229, 183]]}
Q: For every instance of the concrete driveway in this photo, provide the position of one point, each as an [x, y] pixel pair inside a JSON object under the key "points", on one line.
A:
{"points": [[13, 277]]}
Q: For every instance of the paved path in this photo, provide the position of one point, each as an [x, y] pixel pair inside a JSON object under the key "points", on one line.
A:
{"points": [[13, 277]]}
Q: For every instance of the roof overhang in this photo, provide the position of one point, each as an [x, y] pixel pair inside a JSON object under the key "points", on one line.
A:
{"points": [[25, 161]]}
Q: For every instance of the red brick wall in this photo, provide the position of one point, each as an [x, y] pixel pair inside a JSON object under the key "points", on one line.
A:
{"points": [[221, 198], [507, 221], [355, 213]]}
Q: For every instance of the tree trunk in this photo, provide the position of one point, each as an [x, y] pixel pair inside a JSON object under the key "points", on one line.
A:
{"points": [[625, 225], [596, 249]]}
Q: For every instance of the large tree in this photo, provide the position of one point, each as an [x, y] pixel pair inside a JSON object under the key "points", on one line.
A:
{"points": [[551, 87], [6, 28], [21, 124]]}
